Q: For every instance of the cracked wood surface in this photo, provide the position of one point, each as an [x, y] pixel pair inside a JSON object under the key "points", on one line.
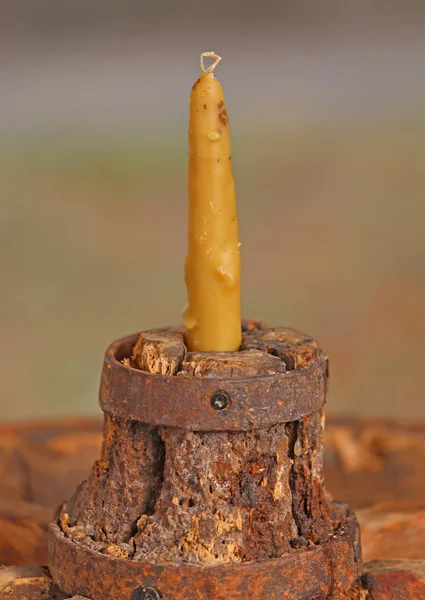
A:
{"points": [[42, 463], [372, 464]]}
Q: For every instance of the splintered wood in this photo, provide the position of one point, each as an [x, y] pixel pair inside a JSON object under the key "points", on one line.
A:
{"points": [[159, 353], [28, 583]]}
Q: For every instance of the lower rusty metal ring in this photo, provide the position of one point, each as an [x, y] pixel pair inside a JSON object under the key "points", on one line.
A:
{"points": [[313, 574], [189, 402]]}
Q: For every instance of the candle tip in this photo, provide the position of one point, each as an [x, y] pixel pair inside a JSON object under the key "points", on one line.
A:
{"points": [[211, 68]]}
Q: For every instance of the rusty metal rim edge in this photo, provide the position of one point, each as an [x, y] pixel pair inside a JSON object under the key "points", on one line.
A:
{"points": [[184, 402], [324, 569]]}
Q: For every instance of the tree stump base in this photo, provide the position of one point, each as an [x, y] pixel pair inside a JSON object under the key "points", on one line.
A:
{"points": [[210, 483]]}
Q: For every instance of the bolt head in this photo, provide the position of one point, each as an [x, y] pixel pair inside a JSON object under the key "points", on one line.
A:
{"points": [[145, 592], [220, 400]]}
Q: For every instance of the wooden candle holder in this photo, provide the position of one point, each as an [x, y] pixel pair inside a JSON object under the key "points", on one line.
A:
{"points": [[210, 484]]}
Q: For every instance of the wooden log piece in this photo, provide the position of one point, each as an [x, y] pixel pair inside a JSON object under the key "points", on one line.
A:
{"points": [[398, 579], [40, 465], [372, 460], [28, 583], [396, 524], [394, 580], [167, 494], [393, 530]]}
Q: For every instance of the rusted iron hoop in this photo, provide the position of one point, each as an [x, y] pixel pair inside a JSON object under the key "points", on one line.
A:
{"points": [[185, 402], [312, 573]]}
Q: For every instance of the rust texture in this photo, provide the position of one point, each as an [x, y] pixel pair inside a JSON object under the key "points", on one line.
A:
{"points": [[170, 494], [233, 497], [278, 376], [123, 485], [205, 497], [210, 481], [399, 579], [394, 580], [306, 575]]}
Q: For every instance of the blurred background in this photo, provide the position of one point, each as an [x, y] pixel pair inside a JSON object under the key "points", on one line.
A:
{"points": [[326, 102]]}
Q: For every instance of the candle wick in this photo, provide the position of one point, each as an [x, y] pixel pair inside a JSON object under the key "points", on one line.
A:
{"points": [[210, 69]]}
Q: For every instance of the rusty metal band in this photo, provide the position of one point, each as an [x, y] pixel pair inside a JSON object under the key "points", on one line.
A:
{"points": [[185, 402], [314, 573]]}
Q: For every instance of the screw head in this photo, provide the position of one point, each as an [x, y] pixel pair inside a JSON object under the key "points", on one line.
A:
{"points": [[220, 400], [145, 592]]}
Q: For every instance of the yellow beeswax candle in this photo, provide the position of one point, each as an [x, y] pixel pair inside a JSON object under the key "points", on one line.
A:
{"points": [[212, 270]]}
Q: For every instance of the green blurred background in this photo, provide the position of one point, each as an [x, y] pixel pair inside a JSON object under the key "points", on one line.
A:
{"points": [[326, 101]]}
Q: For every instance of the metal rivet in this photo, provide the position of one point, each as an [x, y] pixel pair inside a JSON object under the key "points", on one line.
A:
{"points": [[220, 400], [145, 593]]}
